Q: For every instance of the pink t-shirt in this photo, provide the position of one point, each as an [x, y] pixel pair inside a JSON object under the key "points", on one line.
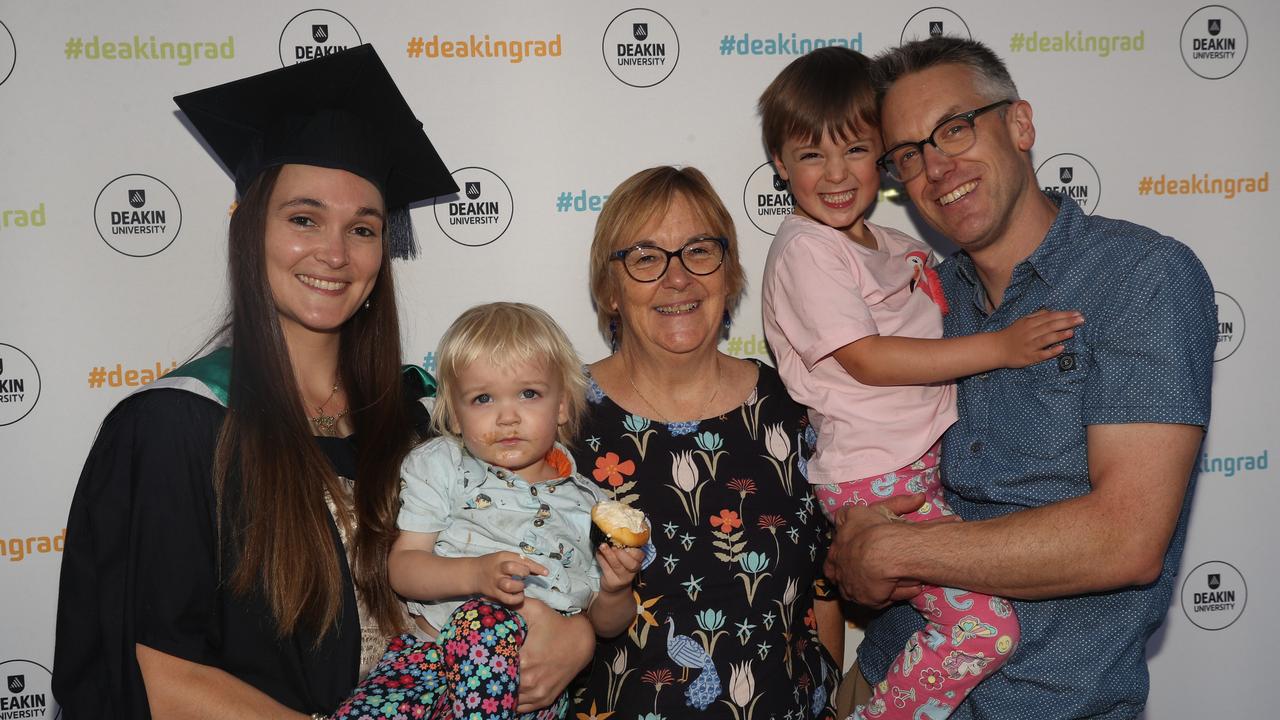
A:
{"points": [[823, 291]]}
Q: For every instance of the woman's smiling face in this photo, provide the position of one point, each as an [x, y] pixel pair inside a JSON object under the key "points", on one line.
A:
{"points": [[680, 312], [323, 246]]}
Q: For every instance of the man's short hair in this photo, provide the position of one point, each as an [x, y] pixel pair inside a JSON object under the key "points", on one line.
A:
{"points": [[993, 79], [826, 91]]}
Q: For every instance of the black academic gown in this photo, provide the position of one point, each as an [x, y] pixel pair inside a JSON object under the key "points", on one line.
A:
{"points": [[141, 566]]}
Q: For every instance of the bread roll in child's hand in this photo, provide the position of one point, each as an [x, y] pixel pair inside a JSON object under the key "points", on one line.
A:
{"points": [[621, 524]]}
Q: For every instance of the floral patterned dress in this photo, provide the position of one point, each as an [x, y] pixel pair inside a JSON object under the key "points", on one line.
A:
{"points": [[725, 624]]}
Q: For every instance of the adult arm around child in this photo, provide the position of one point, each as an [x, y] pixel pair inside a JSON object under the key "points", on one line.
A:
{"points": [[1114, 536]]}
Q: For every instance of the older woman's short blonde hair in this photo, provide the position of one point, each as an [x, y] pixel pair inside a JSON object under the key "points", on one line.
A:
{"points": [[639, 199], [508, 333]]}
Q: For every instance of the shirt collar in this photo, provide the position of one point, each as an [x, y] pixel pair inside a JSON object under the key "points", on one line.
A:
{"points": [[1053, 254], [559, 457], [1048, 259]]}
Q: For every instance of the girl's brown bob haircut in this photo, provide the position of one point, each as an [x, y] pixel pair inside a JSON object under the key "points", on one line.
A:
{"points": [[830, 90]]}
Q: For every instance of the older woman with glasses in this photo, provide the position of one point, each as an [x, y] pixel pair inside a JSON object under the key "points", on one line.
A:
{"points": [[711, 447]]}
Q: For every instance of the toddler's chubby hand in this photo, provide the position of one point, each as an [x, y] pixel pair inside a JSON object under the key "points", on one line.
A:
{"points": [[618, 567], [497, 576]]}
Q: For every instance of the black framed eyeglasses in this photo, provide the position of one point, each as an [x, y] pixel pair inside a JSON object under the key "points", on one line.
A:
{"points": [[951, 137], [648, 263]]}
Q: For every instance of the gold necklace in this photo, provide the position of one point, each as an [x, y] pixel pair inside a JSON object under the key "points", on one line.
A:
{"points": [[657, 415], [325, 424]]}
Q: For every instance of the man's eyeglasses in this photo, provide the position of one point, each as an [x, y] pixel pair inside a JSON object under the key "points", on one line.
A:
{"points": [[953, 136], [647, 263]]}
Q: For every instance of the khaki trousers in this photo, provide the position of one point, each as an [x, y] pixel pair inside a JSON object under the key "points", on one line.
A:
{"points": [[853, 691]]}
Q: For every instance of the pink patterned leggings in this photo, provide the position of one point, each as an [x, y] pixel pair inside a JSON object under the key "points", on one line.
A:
{"points": [[968, 636]]}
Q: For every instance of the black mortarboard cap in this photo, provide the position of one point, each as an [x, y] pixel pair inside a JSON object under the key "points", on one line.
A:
{"points": [[340, 111]]}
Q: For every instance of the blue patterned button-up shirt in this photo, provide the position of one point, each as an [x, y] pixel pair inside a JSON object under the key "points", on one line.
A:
{"points": [[477, 508], [1144, 354]]}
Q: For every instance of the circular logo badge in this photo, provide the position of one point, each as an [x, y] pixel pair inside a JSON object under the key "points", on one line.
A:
{"points": [[19, 384], [934, 22], [640, 47], [480, 213], [1230, 326], [315, 33], [137, 215], [8, 53], [1073, 176], [1213, 595], [27, 691], [767, 199], [1214, 42]]}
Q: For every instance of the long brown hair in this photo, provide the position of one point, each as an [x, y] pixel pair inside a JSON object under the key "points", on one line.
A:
{"points": [[278, 525]]}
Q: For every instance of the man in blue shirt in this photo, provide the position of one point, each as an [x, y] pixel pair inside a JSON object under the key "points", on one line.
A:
{"points": [[1074, 475]]}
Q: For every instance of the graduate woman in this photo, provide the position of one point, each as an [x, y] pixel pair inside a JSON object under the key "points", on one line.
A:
{"points": [[218, 562]]}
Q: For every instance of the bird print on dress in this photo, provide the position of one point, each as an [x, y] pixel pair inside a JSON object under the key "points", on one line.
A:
{"points": [[742, 511], [688, 654]]}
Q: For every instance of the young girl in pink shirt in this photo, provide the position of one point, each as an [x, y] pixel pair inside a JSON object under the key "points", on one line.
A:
{"points": [[853, 313]]}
